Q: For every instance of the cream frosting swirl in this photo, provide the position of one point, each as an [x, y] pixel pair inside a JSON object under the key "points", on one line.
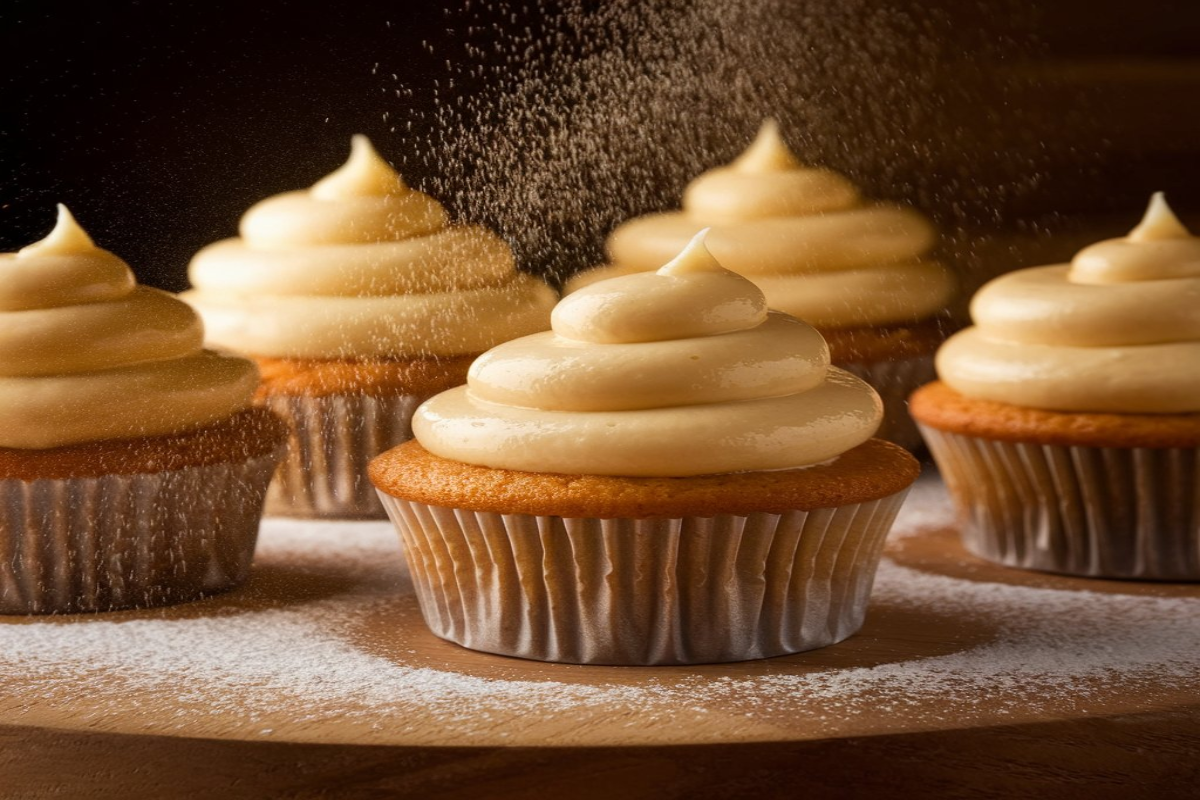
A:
{"points": [[86, 354], [678, 372], [1116, 330], [803, 234], [361, 266]]}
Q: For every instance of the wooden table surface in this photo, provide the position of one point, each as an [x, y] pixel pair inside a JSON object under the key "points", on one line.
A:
{"points": [[318, 679]]}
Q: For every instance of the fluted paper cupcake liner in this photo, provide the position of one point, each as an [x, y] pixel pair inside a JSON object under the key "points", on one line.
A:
{"points": [[123, 541], [895, 381], [332, 439], [644, 591], [1102, 512]]}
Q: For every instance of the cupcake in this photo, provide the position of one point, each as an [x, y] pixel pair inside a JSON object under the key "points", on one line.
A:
{"points": [[672, 475], [1066, 421], [358, 300], [132, 468], [859, 272]]}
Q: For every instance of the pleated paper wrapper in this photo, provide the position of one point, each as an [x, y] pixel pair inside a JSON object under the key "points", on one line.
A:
{"points": [[644, 591], [1101, 512], [895, 381], [125, 541], [331, 440]]}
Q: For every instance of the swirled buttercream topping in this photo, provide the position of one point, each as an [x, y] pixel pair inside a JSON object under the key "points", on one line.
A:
{"points": [[361, 266], [86, 354], [678, 372], [1116, 330], [803, 234]]}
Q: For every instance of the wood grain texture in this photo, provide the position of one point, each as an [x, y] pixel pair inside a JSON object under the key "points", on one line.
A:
{"points": [[1138, 756]]}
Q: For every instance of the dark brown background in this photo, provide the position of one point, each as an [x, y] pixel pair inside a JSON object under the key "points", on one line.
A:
{"points": [[160, 122]]}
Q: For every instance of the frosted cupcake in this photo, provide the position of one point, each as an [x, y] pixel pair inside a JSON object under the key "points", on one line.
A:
{"points": [[860, 272], [1066, 422], [358, 300], [132, 471], [673, 475]]}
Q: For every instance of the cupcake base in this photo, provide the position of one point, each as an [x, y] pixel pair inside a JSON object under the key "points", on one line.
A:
{"points": [[76, 543], [644, 591], [332, 439], [1041, 490], [594, 569], [340, 415], [1097, 512]]}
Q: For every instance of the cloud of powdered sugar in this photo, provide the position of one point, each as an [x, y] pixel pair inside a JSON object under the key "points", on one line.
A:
{"points": [[555, 123]]}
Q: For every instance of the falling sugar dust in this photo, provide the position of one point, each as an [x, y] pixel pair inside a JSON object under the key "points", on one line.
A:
{"points": [[556, 122]]}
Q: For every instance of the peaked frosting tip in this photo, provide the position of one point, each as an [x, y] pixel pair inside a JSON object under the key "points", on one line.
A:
{"points": [[365, 173], [768, 152], [66, 238], [1159, 222]]}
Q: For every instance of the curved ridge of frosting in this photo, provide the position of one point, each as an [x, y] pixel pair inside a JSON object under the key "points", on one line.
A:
{"points": [[706, 385], [86, 354], [1116, 330], [313, 270], [799, 232]]}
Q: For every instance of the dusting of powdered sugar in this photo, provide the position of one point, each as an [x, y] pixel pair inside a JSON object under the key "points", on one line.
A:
{"points": [[295, 659], [554, 122], [927, 508]]}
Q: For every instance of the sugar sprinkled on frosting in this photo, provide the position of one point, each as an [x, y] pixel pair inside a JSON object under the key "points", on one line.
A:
{"points": [[360, 266]]}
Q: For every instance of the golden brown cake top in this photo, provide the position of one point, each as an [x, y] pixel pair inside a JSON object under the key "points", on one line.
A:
{"points": [[939, 406], [885, 342], [317, 378], [871, 471], [244, 435]]}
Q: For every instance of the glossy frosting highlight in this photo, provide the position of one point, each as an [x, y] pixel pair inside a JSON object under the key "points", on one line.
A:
{"points": [[86, 354], [678, 372], [803, 234], [1116, 330], [362, 266]]}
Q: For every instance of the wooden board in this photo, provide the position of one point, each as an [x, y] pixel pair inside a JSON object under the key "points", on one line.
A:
{"points": [[330, 609]]}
